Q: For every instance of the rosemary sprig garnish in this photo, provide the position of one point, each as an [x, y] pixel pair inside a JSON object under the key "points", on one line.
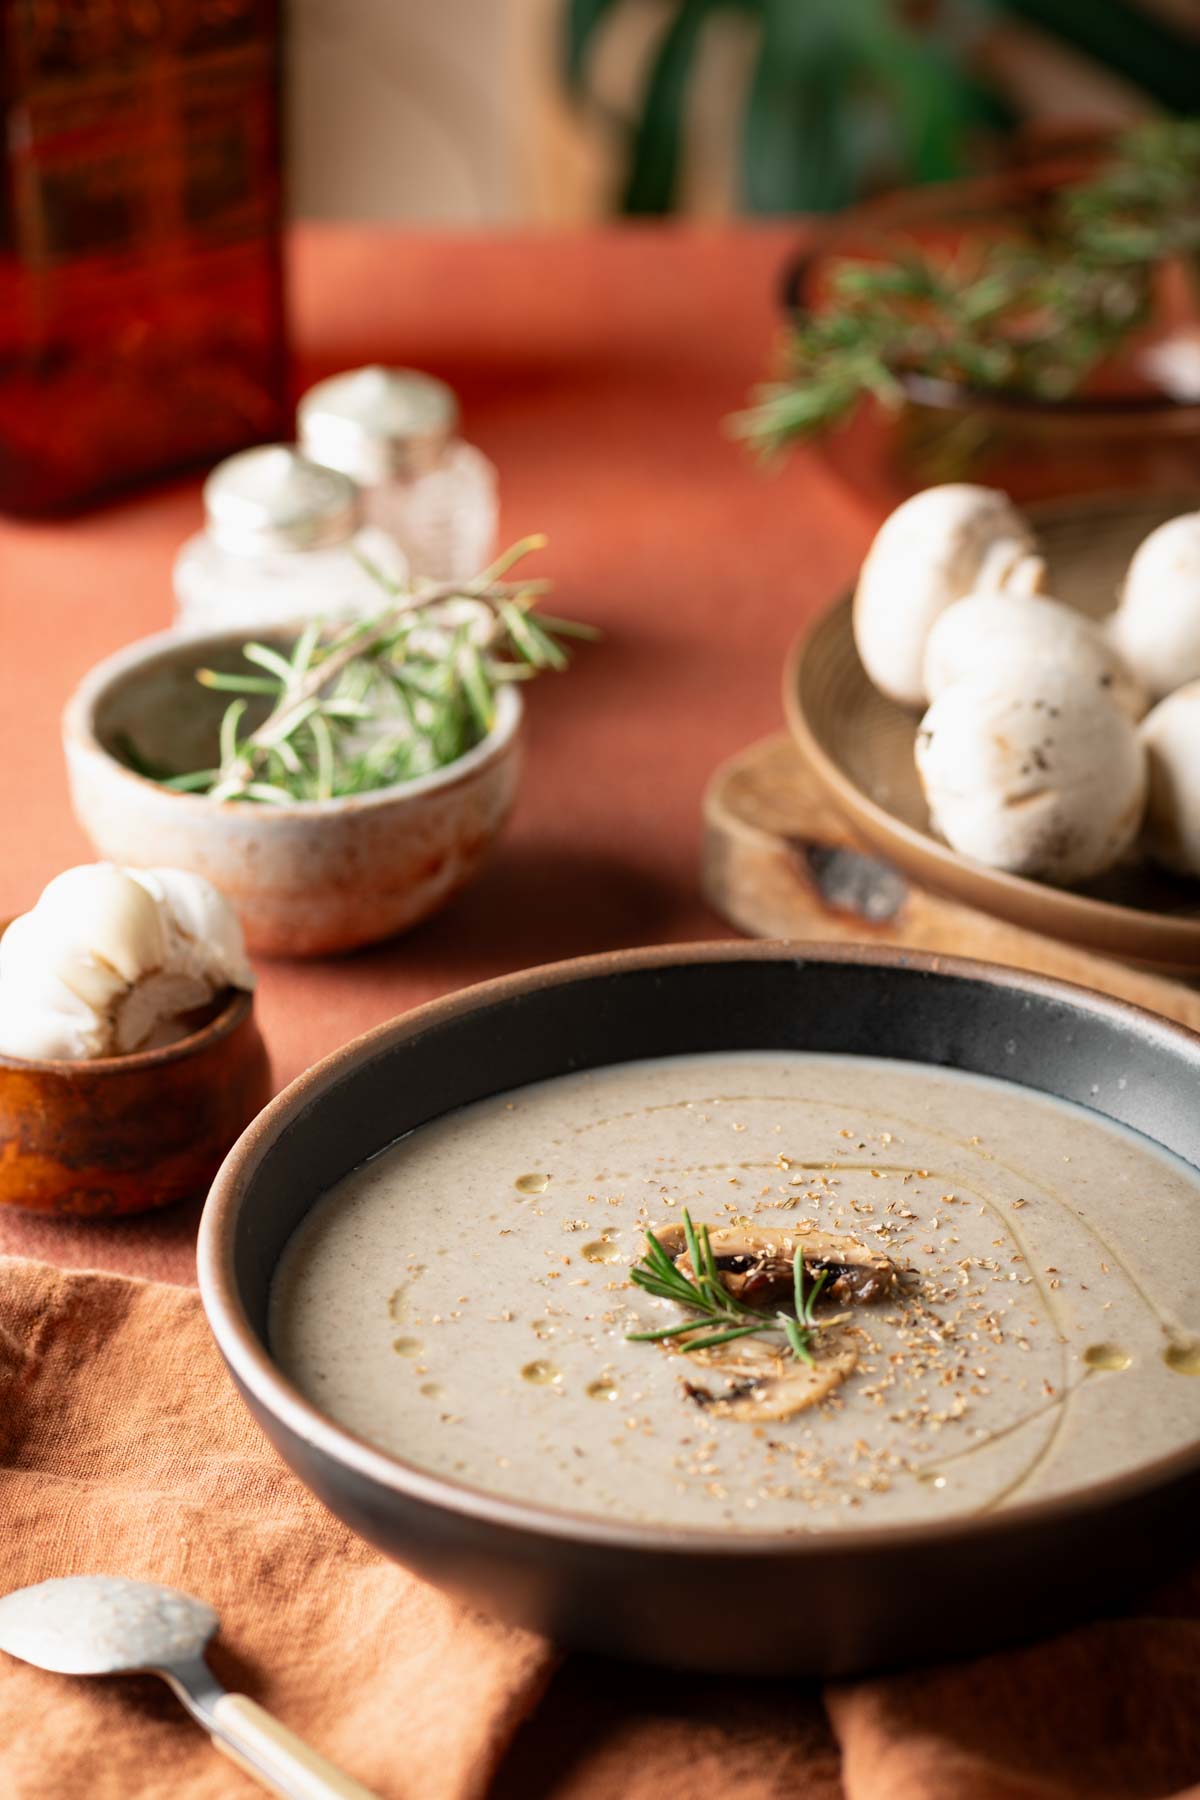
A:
{"points": [[381, 700], [1034, 312], [707, 1297]]}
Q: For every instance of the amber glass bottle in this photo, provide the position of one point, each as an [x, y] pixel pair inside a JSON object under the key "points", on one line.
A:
{"points": [[141, 315]]}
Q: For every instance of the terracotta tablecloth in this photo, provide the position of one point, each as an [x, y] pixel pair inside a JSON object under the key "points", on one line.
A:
{"points": [[595, 370]]}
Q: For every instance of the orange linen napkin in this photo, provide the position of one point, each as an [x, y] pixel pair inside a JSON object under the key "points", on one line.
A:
{"points": [[123, 1447]]}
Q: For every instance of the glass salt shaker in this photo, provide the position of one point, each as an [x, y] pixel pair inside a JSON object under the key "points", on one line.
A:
{"points": [[282, 541], [393, 432]]}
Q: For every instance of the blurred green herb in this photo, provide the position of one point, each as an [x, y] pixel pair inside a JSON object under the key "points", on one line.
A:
{"points": [[382, 700], [1033, 314]]}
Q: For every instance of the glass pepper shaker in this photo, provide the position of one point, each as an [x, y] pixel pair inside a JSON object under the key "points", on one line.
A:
{"points": [[393, 432], [282, 541]]}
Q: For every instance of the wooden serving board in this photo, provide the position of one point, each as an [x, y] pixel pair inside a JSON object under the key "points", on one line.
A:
{"points": [[780, 862]]}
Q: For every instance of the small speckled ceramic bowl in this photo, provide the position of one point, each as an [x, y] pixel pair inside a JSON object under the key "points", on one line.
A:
{"points": [[308, 879], [127, 1134]]}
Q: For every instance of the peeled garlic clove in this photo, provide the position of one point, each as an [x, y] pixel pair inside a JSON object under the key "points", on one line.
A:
{"points": [[936, 548], [28, 971], [47, 1023], [204, 939], [94, 930], [156, 998], [1046, 779], [111, 960], [1156, 627], [1171, 734], [1008, 637]]}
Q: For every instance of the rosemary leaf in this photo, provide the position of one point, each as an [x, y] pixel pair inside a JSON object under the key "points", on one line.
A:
{"points": [[236, 684], [797, 1340], [229, 727], [476, 687], [721, 1337], [269, 659], [198, 782], [323, 739], [667, 1331]]}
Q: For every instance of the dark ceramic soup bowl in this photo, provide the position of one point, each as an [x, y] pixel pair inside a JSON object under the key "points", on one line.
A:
{"points": [[830, 1604]]}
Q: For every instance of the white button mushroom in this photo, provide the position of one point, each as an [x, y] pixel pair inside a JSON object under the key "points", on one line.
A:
{"points": [[1156, 627], [109, 961], [1171, 734], [1008, 637], [1046, 779], [936, 548]]}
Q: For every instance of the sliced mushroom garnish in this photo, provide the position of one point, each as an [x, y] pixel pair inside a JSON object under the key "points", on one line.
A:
{"points": [[762, 1383], [754, 1263]]}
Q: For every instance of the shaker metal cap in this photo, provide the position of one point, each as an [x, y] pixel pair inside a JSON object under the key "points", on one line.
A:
{"points": [[273, 498], [375, 422]]}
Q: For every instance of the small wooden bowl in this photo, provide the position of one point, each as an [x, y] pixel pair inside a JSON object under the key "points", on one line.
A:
{"points": [[859, 747], [128, 1134]]}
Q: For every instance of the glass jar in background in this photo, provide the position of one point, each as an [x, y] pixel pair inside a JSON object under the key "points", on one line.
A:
{"points": [[283, 541], [393, 432], [141, 289]]}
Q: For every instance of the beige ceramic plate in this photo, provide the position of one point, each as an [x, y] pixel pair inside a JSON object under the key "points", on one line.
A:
{"points": [[860, 747]]}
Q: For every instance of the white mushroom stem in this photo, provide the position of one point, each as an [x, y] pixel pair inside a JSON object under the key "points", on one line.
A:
{"points": [[1045, 778], [1008, 568], [1156, 627], [1171, 734], [937, 547]]}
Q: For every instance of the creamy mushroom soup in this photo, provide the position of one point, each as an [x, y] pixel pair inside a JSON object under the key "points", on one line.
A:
{"points": [[1002, 1295]]}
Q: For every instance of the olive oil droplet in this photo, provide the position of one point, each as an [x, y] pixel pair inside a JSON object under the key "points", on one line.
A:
{"points": [[407, 1346], [604, 1389], [541, 1374], [931, 1478], [532, 1183], [1183, 1358], [602, 1250], [1106, 1356], [432, 1390]]}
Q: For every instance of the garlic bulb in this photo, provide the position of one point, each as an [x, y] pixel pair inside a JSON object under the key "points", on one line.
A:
{"points": [[936, 548], [1046, 777], [109, 961], [1171, 734], [1008, 637], [1156, 627]]}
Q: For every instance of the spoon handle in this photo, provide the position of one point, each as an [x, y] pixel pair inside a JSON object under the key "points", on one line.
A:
{"points": [[276, 1758]]}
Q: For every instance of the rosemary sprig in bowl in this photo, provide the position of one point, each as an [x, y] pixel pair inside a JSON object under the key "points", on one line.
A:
{"points": [[380, 701], [713, 1306], [1029, 310]]}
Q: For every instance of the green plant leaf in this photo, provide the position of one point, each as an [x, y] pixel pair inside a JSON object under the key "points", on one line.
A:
{"points": [[798, 148], [580, 26], [653, 175], [269, 659], [1141, 47]]}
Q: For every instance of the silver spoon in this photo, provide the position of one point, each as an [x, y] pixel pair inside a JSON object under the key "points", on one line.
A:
{"points": [[105, 1625]]}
